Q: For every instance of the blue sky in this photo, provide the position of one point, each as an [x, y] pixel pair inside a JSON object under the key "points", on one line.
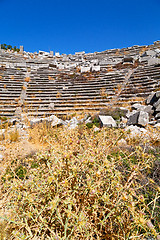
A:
{"points": [[69, 26]]}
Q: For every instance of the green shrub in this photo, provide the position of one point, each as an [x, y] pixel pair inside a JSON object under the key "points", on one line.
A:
{"points": [[89, 125], [20, 172], [116, 113], [96, 121]]}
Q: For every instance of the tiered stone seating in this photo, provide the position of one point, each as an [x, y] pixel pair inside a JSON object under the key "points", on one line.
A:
{"points": [[142, 82], [48, 90], [11, 83], [71, 94]]}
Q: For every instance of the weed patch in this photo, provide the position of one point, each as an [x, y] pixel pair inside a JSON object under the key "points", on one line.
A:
{"points": [[81, 186]]}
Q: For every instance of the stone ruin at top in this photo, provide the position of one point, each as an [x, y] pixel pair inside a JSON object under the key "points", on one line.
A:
{"points": [[46, 83]]}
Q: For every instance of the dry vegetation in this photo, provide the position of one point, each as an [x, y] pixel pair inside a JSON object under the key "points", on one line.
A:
{"points": [[81, 185]]}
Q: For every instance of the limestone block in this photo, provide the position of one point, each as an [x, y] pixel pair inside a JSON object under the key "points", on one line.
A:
{"points": [[107, 121], [158, 94], [156, 103], [96, 68], [153, 61], [136, 131], [143, 118], [157, 108], [130, 113], [149, 109], [150, 53], [152, 98], [138, 107], [133, 118], [157, 116], [35, 121], [55, 121], [85, 69]]}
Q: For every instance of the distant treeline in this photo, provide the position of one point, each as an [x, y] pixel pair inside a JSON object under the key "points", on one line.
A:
{"points": [[6, 47]]}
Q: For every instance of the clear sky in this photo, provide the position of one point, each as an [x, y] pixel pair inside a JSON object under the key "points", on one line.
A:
{"points": [[67, 26]]}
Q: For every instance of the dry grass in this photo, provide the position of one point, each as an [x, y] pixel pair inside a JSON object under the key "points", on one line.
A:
{"points": [[82, 185]]}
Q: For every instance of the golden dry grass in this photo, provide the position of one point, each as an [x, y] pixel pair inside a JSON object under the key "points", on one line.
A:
{"points": [[81, 185]]}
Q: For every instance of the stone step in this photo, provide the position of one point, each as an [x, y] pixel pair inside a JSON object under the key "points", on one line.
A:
{"points": [[133, 95], [5, 106], [70, 93], [74, 101], [65, 95], [138, 88], [66, 105], [11, 113], [78, 108], [71, 88], [74, 84], [9, 95], [7, 110]]}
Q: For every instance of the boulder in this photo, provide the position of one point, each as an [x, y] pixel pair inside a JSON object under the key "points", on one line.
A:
{"points": [[144, 108], [152, 98], [123, 122], [138, 118], [158, 94], [107, 121], [150, 53], [157, 109], [53, 120], [71, 124], [157, 50], [133, 118], [143, 118], [130, 113], [35, 121], [138, 107], [153, 61], [156, 103], [149, 109], [157, 116], [136, 131]]}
